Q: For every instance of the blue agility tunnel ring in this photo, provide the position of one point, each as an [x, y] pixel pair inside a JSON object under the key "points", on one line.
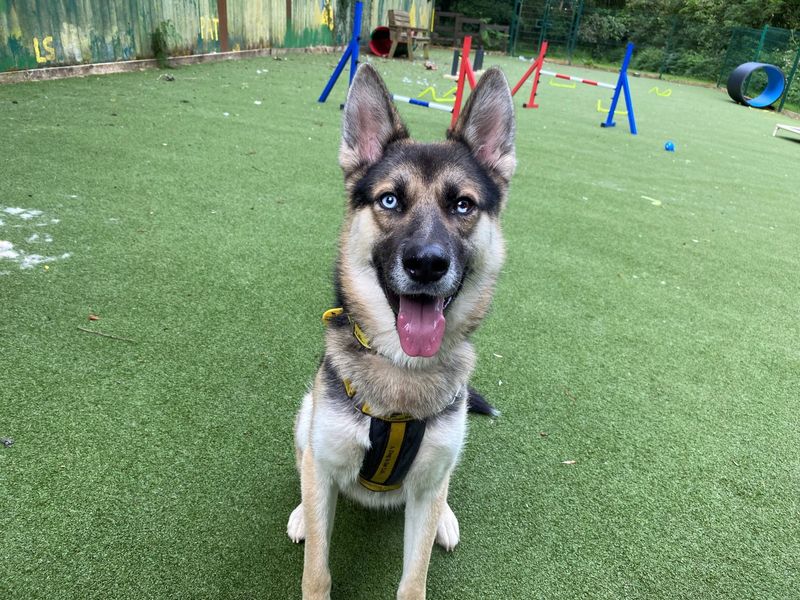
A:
{"points": [[737, 83]]}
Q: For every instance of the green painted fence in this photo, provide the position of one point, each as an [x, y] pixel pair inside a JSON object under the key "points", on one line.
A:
{"points": [[44, 33]]}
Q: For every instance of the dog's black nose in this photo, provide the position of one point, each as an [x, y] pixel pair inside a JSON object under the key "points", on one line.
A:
{"points": [[425, 263]]}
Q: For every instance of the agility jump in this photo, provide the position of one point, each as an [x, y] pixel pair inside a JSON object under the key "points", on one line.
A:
{"points": [[466, 73], [621, 87]]}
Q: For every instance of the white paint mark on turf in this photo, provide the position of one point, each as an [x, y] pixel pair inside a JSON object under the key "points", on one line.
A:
{"points": [[32, 260], [17, 251], [7, 250], [23, 213]]}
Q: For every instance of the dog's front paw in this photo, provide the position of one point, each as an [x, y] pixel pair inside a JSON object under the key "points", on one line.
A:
{"points": [[447, 533], [296, 528]]}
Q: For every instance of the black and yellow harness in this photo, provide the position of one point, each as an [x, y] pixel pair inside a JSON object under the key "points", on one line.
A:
{"points": [[394, 439]]}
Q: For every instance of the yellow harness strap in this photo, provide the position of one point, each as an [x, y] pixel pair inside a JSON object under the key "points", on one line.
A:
{"points": [[358, 333]]}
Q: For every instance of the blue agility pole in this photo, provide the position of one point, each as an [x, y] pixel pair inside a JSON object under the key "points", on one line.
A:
{"points": [[622, 85], [351, 53]]}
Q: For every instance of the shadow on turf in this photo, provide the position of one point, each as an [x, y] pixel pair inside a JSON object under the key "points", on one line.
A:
{"points": [[788, 139]]}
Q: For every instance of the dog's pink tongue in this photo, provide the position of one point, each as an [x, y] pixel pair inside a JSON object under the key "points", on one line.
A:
{"points": [[420, 325]]}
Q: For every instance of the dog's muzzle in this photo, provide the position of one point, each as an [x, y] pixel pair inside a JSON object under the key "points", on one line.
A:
{"points": [[425, 263]]}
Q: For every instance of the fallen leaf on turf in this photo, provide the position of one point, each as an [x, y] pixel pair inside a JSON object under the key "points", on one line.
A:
{"points": [[653, 201]]}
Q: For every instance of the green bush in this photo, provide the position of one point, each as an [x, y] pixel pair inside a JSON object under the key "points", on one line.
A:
{"points": [[648, 59], [696, 64]]}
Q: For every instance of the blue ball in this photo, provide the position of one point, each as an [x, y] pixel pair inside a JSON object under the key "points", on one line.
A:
{"points": [[669, 147]]}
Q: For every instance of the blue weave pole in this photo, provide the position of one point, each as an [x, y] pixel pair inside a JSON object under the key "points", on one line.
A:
{"points": [[350, 53], [622, 86]]}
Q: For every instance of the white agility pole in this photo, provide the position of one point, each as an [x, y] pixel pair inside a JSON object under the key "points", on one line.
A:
{"points": [[578, 79], [424, 103]]}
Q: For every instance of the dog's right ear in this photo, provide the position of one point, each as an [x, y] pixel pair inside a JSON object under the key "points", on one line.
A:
{"points": [[370, 121]]}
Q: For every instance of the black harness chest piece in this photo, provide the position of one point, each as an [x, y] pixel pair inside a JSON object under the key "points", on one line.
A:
{"points": [[394, 443]]}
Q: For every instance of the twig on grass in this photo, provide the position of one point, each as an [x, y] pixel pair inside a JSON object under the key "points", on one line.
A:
{"points": [[108, 335]]}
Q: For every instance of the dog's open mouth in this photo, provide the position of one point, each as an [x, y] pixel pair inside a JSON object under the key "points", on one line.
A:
{"points": [[420, 322]]}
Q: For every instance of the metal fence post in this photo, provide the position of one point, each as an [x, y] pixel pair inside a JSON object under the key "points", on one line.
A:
{"points": [[668, 47], [761, 43], [573, 34], [544, 20], [789, 80], [727, 55], [512, 38]]}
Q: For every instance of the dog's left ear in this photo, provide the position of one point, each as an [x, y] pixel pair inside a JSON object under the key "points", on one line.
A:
{"points": [[370, 121], [486, 124]]}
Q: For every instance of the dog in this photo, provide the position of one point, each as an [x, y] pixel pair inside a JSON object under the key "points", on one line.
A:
{"points": [[419, 253]]}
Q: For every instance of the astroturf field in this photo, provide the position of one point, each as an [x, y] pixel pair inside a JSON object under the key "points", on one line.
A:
{"points": [[643, 347]]}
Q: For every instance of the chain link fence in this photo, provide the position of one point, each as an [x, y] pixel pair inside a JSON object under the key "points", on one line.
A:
{"points": [[668, 46]]}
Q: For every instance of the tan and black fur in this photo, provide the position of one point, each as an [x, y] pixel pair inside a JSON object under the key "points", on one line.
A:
{"points": [[421, 238]]}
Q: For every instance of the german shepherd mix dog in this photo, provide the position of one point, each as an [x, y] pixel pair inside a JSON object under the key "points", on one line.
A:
{"points": [[419, 254]]}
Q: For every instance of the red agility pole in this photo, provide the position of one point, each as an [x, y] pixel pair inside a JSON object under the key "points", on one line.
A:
{"points": [[578, 79], [536, 69], [465, 73]]}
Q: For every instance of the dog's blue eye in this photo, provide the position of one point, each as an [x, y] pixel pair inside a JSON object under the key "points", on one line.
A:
{"points": [[464, 206], [389, 202]]}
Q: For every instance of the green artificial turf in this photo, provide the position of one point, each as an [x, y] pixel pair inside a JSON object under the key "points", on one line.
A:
{"points": [[645, 326]]}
